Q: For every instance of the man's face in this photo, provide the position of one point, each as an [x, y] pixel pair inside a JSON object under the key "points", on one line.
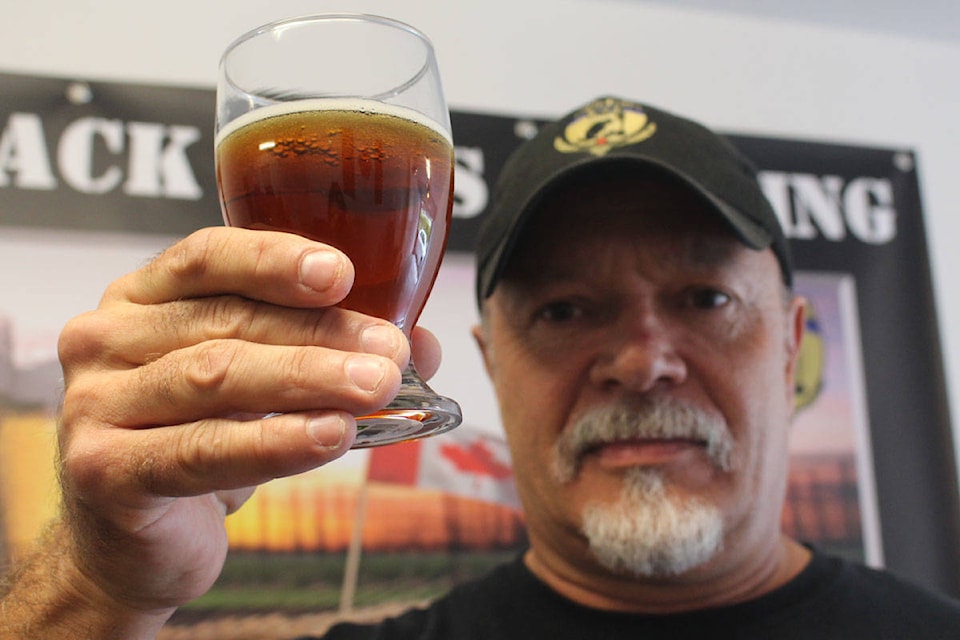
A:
{"points": [[643, 359]]}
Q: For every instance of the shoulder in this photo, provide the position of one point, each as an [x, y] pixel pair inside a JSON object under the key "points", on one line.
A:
{"points": [[864, 596], [885, 587]]}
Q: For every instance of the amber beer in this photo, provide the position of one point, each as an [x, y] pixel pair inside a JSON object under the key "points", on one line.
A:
{"points": [[373, 180]]}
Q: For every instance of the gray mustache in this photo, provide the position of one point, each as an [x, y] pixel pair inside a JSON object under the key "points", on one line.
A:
{"points": [[655, 417]]}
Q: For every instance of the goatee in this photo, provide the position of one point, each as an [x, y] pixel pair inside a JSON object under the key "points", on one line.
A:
{"points": [[647, 531]]}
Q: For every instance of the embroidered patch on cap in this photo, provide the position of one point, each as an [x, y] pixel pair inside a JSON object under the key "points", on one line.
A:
{"points": [[603, 125]]}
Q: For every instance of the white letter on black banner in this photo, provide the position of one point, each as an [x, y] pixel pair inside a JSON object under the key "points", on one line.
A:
{"points": [[75, 154], [23, 150], [158, 170]]}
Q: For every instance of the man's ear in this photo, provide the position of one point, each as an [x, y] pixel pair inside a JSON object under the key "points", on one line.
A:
{"points": [[480, 337], [796, 327]]}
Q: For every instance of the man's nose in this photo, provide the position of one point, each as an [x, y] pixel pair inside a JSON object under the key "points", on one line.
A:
{"points": [[639, 355]]}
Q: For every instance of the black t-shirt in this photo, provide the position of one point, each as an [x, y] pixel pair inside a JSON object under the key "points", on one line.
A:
{"points": [[829, 599]]}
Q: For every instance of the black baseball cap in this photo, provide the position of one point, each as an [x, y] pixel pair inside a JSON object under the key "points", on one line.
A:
{"points": [[611, 130]]}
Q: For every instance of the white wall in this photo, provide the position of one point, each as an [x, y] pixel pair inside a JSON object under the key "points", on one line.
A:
{"points": [[541, 57]]}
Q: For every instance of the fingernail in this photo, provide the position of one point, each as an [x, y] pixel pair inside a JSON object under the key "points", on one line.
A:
{"points": [[381, 340], [366, 372], [320, 269], [327, 430]]}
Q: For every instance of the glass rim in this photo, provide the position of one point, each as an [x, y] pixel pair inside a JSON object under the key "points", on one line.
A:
{"points": [[346, 16], [276, 25]]}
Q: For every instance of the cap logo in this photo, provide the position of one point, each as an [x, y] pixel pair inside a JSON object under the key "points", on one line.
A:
{"points": [[603, 125]]}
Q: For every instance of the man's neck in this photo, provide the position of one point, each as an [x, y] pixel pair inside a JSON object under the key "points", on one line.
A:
{"points": [[709, 586]]}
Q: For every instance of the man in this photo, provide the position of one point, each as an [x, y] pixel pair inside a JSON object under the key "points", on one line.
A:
{"points": [[639, 327]]}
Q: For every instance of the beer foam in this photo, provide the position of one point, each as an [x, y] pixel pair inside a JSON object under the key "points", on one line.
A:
{"points": [[330, 104]]}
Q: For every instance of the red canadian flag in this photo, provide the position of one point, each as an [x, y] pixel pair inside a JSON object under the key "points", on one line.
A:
{"points": [[465, 462]]}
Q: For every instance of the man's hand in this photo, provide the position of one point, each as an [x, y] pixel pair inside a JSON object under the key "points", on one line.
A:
{"points": [[166, 383]]}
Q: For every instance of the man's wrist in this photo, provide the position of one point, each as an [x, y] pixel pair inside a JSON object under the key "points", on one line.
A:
{"points": [[48, 596]]}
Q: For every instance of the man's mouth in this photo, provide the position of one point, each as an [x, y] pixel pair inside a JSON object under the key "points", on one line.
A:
{"points": [[633, 452], [657, 432]]}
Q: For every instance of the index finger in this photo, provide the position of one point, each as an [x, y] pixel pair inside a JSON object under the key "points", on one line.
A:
{"points": [[281, 268]]}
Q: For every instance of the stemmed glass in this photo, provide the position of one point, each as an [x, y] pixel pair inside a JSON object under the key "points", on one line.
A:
{"points": [[335, 127]]}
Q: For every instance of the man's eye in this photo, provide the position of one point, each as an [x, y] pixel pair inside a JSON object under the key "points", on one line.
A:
{"points": [[708, 298], [560, 312]]}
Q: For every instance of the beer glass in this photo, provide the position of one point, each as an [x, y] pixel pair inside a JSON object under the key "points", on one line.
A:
{"points": [[335, 127]]}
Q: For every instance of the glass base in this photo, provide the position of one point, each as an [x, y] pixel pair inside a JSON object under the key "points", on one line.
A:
{"points": [[417, 411]]}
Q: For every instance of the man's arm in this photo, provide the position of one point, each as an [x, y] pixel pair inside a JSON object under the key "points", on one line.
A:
{"points": [[161, 434], [46, 597]]}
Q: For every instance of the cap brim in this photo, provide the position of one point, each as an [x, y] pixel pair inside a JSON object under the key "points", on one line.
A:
{"points": [[747, 230]]}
